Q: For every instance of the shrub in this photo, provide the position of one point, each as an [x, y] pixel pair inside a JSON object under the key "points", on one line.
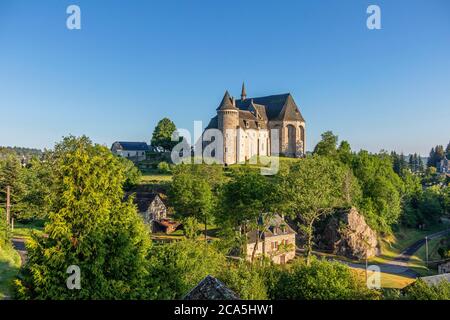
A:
{"points": [[419, 290], [322, 280], [164, 167]]}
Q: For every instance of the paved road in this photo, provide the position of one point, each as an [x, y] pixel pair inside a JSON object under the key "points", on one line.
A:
{"points": [[19, 245], [399, 265]]}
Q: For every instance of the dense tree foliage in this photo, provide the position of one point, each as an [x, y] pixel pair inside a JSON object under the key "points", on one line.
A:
{"points": [[327, 146], [132, 173], [321, 280], [89, 226], [194, 191], [419, 290], [177, 267], [381, 190], [312, 188], [248, 200], [436, 155], [11, 175], [162, 135]]}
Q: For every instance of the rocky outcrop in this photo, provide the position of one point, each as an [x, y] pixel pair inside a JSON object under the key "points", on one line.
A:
{"points": [[346, 233]]}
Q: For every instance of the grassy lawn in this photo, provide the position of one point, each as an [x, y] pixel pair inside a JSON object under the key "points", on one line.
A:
{"points": [[418, 261], [151, 178], [24, 230], [391, 246], [390, 281], [9, 267]]}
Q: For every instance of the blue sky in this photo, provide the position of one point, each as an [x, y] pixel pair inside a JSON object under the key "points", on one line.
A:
{"points": [[134, 62]]}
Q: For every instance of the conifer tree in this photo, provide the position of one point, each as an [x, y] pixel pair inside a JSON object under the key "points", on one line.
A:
{"points": [[90, 226]]}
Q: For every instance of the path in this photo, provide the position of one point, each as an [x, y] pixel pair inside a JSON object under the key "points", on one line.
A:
{"points": [[19, 245]]}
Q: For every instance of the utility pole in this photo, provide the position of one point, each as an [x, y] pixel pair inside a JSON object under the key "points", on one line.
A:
{"points": [[8, 208], [426, 249], [8, 204], [367, 265]]}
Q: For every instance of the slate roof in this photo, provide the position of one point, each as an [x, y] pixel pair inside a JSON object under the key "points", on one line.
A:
{"points": [[274, 107], [277, 107], [132, 146], [211, 288], [276, 226], [143, 199]]}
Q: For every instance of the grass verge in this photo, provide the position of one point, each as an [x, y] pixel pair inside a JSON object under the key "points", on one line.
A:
{"points": [[9, 267]]}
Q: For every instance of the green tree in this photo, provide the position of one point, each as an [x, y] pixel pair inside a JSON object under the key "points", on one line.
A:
{"points": [[311, 189], [11, 174], [177, 267], [132, 173], [248, 200], [447, 151], [381, 190], [194, 191], [39, 181], [431, 206], [419, 290], [162, 135], [246, 279], [327, 146], [90, 226], [345, 152]]}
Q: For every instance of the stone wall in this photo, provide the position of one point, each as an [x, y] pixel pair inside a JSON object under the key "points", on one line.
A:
{"points": [[274, 247]]}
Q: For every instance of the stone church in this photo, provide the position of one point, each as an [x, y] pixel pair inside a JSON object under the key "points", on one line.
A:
{"points": [[246, 126]]}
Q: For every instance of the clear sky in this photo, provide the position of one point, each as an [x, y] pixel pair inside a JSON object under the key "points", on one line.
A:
{"points": [[134, 62]]}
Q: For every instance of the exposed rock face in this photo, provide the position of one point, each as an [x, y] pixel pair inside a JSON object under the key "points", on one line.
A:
{"points": [[346, 233]]}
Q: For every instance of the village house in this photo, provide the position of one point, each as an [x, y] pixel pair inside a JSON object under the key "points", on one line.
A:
{"points": [[276, 242], [154, 212], [135, 151]]}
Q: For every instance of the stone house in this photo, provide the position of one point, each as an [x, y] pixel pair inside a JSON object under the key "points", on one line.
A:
{"points": [[277, 241], [246, 125], [135, 151], [154, 212]]}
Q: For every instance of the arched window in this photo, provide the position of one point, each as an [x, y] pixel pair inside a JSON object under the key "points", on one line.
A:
{"points": [[291, 139]]}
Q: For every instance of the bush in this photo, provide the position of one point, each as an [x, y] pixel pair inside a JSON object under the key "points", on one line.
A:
{"points": [[5, 233], [246, 280], [322, 280], [191, 228], [177, 267], [419, 290], [164, 167]]}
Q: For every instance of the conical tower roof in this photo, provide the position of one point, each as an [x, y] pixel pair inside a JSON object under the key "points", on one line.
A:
{"points": [[227, 103]]}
